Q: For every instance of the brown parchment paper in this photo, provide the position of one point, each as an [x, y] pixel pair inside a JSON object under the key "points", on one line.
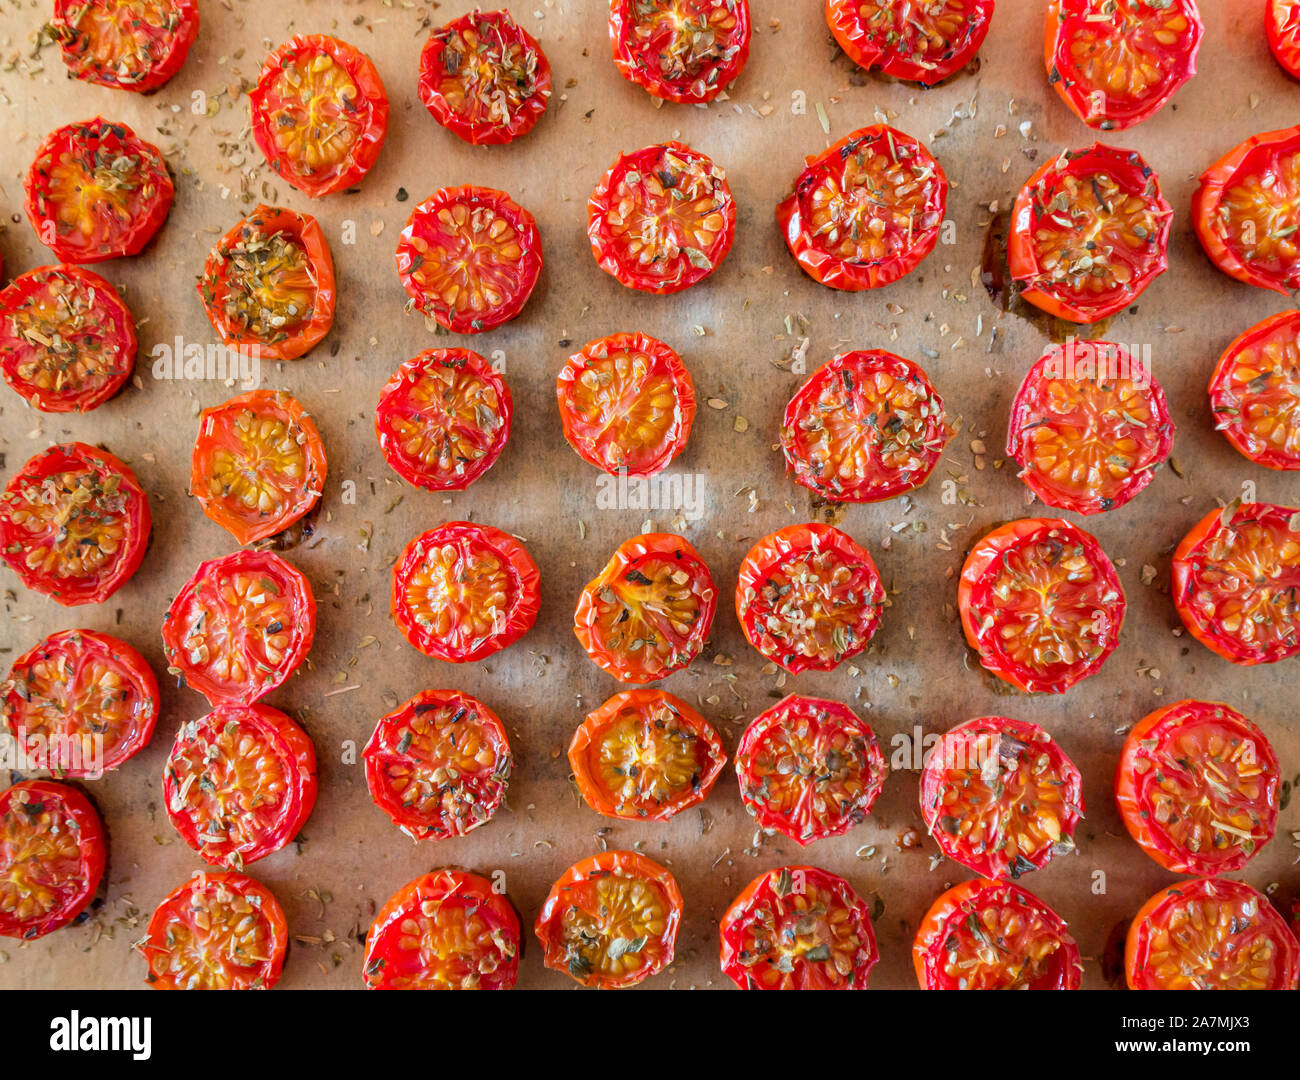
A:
{"points": [[990, 128]]}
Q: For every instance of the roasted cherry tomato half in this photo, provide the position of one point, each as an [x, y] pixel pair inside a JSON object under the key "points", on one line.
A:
{"points": [[627, 404], [1116, 62], [485, 78], [320, 113], [89, 694], [1089, 427], [649, 612], [240, 783], [645, 755], [865, 427], [662, 219], [809, 769], [443, 419], [1197, 786], [1041, 603], [125, 44], [1237, 582], [438, 765], [74, 524], [1090, 231], [268, 285], [922, 43], [1210, 934], [258, 464], [67, 341], [96, 191], [52, 855], [1247, 211], [1283, 30], [218, 931], [470, 258], [993, 935], [1000, 796], [798, 928], [611, 920], [464, 591], [809, 596], [240, 626], [448, 930], [1255, 392], [686, 51], [865, 212]]}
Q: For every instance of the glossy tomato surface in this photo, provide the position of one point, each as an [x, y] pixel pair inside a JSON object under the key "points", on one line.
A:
{"points": [[1255, 392], [125, 44], [866, 211], [808, 597], [240, 626], [74, 524], [809, 769], [645, 755], [798, 928], [1282, 27], [687, 51], [922, 43], [463, 591], [97, 191]]}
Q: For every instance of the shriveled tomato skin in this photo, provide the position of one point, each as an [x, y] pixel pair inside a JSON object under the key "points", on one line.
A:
{"points": [[638, 65], [441, 890], [77, 814], [953, 910], [765, 894], [879, 48], [1237, 407], [164, 58], [1282, 27], [793, 215]]}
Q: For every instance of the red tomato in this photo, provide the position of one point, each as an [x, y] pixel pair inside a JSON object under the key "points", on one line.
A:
{"points": [[993, 935], [240, 783], [1089, 427], [1254, 395], [81, 687], [485, 78], [218, 931], [922, 43], [1247, 211], [1283, 29], [809, 596], [258, 464], [67, 341], [447, 930], [1235, 582], [52, 854], [240, 626], [74, 524], [1116, 62], [470, 258], [645, 755], [866, 211], [865, 427], [1001, 797], [443, 419], [1210, 934], [627, 404], [662, 218], [268, 285], [125, 44], [319, 113], [809, 769], [463, 591], [96, 191], [649, 612], [1090, 231], [798, 928], [438, 765], [611, 920], [686, 51], [1197, 786], [1041, 604]]}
